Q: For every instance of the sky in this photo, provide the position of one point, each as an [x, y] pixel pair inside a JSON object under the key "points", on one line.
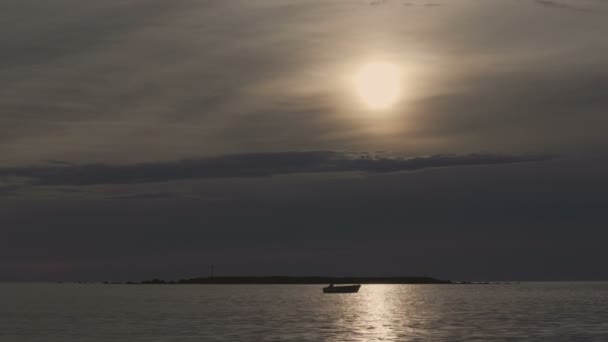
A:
{"points": [[152, 138]]}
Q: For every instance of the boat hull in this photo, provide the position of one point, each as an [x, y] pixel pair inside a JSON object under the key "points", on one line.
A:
{"points": [[342, 289]]}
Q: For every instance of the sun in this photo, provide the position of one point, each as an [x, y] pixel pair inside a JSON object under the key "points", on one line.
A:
{"points": [[379, 84]]}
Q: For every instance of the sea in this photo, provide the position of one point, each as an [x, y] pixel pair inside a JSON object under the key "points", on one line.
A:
{"points": [[554, 311]]}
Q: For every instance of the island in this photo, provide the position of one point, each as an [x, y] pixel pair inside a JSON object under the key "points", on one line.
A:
{"points": [[286, 280]]}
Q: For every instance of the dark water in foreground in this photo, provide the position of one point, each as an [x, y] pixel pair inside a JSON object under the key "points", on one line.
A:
{"points": [[529, 311]]}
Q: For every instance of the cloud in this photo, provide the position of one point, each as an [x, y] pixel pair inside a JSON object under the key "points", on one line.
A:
{"points": [[149, 195], [387, 2], [561, 5], [248, 165], [9, 189], [165, 78]]}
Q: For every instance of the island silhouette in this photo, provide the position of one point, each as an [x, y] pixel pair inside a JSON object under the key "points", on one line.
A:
{"points": [[293, 280]]}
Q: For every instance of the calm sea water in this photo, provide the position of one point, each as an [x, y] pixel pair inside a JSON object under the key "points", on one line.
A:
{"points": [[528, 311]]}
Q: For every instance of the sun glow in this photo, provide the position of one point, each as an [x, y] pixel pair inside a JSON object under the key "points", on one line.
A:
{"points": [[379, 84]]}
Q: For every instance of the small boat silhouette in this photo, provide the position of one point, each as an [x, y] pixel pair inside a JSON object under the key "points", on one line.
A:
{"points": [[341, 289]]}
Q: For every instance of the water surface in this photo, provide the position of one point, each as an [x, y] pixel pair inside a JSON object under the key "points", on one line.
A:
{"points": [[527, 311]]}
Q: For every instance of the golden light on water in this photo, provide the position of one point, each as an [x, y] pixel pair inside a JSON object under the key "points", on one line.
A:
{"points": [[379, 84]]}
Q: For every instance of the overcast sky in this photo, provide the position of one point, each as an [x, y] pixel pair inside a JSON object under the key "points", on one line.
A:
{"points": [[152, 138]]}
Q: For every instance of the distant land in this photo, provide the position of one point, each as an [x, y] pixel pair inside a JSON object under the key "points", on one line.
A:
{"points": [[283, 280]]}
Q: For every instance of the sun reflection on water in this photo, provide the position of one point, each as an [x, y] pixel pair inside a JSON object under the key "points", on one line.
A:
{"points": [[376, 313]]}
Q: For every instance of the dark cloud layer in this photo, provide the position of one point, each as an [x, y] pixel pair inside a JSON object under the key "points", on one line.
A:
{"points": [[249, 165], [536, 221]]}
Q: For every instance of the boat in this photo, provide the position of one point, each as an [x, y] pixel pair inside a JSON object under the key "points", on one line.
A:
{"points": [[341, 289]]}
